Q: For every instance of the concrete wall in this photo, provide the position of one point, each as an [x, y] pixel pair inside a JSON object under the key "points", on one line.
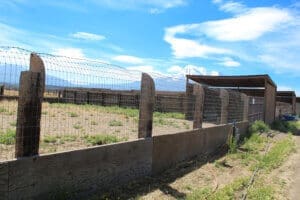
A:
{"points": [[81, 170], [298, 108], [173, 148]]}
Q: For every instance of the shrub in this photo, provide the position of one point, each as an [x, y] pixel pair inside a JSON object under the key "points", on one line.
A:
{"points": [[101, 139], [8, 137], [115, 123], [50, 139], [259, 127], [72, 114], [284, 126]]}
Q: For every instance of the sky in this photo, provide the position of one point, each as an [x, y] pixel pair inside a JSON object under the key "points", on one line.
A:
{"points": [[172, 37]]}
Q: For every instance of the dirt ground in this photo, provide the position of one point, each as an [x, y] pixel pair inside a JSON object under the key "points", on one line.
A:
{"points": [[179, 181], [70, 120]]}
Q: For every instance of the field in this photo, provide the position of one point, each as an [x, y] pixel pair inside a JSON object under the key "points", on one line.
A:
{"points": [[70, 126]]}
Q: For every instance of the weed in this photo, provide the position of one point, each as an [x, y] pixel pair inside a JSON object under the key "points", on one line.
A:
{"points": [[3, 110], [13, 124], [258, 127], [260, 190], [8, 137], [50, 139], [77, 126], [233, 145], [284, 126], [44, 112], [72, 114], [93, 123], [277, 154], [115, 123], [100, 139], [227, 192]]}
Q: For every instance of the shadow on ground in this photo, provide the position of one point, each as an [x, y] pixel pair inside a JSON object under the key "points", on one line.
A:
{"points": [[162, 181]]}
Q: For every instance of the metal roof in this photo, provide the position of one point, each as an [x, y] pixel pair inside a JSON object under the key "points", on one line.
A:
{"points": [[233, 81]]}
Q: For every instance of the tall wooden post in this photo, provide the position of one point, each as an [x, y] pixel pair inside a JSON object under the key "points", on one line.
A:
{"points": [[245, 100], [147, 99], [31, 91], [224, 106], [199, 94]]}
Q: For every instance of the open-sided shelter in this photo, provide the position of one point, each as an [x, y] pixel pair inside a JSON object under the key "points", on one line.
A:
{"points": [[252, 85]]}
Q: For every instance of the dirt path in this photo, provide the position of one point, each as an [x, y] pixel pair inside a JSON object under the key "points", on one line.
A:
{"points": [[294, 191]]}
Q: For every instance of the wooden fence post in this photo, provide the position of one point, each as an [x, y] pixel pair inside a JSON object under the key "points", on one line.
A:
{"points": [[224, 106], [245, 99], [146, 107], [31, 91], [198, 91]]}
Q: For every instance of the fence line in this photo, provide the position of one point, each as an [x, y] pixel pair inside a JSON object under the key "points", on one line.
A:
{"points": [[89, 103]]}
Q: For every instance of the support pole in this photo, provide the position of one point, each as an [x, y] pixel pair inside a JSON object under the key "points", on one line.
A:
{"points": [[245, 99], [146, 107], [31, 91], [224, 106], [199, 94]]}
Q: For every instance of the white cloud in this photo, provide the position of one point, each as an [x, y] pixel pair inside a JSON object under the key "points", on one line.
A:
{"points": [[248, 26], [229, 62], [128, 59], [179, 71], [214, 73], [69, 52], [87, 36], [233, 7], [187, 48]]}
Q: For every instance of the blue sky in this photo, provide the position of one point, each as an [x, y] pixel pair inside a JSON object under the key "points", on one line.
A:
{"points": [[175, 37]]}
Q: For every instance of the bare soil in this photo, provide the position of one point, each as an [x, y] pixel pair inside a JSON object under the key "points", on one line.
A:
{"points": [[64, 120]]}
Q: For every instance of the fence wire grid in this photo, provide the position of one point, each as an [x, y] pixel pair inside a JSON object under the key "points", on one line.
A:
{"points": [[88, 103]]}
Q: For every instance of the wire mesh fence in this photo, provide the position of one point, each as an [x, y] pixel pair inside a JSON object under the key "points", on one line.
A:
{"points": [[89, 103]]}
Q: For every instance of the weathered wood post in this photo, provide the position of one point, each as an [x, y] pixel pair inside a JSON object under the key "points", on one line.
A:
{"points": [[147, 99], [224, 106], [1, 90], [245, 100], [31, 91], [199, 94]]}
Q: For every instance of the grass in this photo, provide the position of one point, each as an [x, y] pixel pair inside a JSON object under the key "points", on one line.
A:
{"points": [[286, 126], [73, 114], [259, 127], [277, 154], [100, 139], [77, 126], [3, 110], [128, 112], [228, 192], [8, 137], [50, 139], [115, 123]]}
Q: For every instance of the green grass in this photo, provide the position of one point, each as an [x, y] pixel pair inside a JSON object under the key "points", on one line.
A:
{"points": [[128, 112], [277, 154], [77, 126], [8, 137], [13, 124], [115, 123], [50, 139], [73, 114], [100, 139], [3, 110], [286, 127], [258, 127], [228, 192], [260, 190]]}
